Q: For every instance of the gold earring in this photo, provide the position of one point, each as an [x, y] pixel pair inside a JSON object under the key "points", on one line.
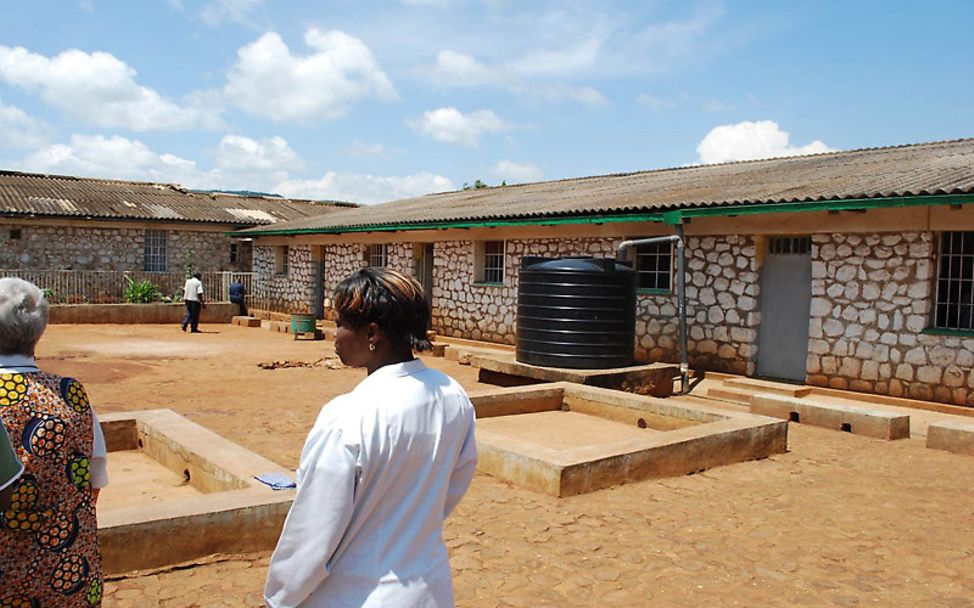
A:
{"points": [[371, 346]]}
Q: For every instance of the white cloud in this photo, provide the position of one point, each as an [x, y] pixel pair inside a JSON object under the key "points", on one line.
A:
{"points": [[716, 105], [268, 80], [455, 69], [433, 3], [241, 164], [219, 11], [453, 126], [751, 140], [116, 158], [20, 130], [656, 103], [364, 149], [514, 173], [238, 154], [99, 89], [365, 189]]}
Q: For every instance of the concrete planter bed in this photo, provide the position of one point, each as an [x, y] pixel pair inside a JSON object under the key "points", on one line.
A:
{"points": [[180, 491], [156, 313], [565, 439]]}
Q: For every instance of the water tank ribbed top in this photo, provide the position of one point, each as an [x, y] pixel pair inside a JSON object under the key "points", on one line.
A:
{"points": [[578, 313]]}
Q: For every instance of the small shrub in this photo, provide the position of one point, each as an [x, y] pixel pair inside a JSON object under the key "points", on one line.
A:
{"points": [[52, 296], [140, 292]]}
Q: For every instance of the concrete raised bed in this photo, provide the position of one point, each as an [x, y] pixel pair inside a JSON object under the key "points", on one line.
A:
{"points": [[137, 313]]}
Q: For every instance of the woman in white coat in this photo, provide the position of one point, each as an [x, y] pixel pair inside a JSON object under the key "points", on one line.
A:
{"points": [[382, 467]]}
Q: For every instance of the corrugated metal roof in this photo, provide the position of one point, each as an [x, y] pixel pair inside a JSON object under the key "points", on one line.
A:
{"points": [[913, 170], [31, 194]]}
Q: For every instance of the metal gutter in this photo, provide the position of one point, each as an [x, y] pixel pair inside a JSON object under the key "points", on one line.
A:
{"points": [[672, 217]]}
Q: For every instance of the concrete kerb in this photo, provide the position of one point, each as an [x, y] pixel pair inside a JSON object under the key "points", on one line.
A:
{"points": [[702, 438], [951, 436], [848, 418], [501, 368], [236, 513]]}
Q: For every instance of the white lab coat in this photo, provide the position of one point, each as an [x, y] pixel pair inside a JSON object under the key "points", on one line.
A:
{"points": [[382, 468]]}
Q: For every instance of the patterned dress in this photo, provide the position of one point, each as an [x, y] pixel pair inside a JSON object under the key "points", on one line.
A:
{"points": [[48, 537]]}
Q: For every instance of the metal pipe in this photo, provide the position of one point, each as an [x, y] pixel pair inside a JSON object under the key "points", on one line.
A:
{"points": [[681, 293], [681, 299]]}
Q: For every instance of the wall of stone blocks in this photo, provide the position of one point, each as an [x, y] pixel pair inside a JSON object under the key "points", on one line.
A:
{"points": [[48, 247], [293, 292], [871, 301], [722, 299]]}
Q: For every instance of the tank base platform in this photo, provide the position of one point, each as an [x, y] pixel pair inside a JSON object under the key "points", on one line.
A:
{"points": [[654, 379]]}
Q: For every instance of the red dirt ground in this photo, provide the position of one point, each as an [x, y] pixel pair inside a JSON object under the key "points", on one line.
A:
{"points": [[839, 520]]}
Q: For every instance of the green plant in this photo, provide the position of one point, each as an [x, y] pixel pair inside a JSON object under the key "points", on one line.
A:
{"points": [[189, 263], [140, 292], [52, 295]]}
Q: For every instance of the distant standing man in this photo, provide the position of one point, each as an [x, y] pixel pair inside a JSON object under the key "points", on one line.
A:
{"points": [[193, 296], [237, 293]]}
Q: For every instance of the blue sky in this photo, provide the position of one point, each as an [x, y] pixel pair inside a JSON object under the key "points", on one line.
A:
{"points": [[373, 100]]}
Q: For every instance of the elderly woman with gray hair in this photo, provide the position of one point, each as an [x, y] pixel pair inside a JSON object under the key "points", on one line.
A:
{"points": [[48, 534]]}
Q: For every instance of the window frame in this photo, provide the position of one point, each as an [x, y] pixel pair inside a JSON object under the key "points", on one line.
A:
{"points": [[281, 262], [154, 254], [377, 252], [234, 253], [640, 253], [490, 262], [957, 290]]}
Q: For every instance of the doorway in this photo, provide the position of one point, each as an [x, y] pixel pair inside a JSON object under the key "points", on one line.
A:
{"points": [[318, 279], [786, 302], [423, 267]]}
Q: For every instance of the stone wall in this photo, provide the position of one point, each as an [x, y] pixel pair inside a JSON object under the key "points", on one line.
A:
{"points": [[871, 299], [722, 299], [83, 248], [293, 292]]}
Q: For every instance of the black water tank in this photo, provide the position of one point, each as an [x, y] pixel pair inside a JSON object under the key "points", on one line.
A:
{"points": [[576, 312]]}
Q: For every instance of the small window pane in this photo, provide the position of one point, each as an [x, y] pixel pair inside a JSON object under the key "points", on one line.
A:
{"points": [[493, 262], [378, 255], [954, 307], [154, 255], [653, 264]]}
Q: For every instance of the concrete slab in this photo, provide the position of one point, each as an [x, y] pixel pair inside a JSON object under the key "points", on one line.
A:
{"points": [[282, 327], [227, 511], [565, 439], [245, 321], [768, 387], [857, 420], [503, 369], [951, 436]]}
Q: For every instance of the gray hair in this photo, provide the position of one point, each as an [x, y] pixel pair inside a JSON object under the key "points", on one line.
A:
{"points": [[23, 316]]}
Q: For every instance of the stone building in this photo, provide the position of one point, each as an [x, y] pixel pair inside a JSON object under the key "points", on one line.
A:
{"points": [[850, 269], [51, 222]]}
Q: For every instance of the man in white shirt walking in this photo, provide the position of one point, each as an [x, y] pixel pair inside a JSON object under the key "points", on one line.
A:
{"points": [[193, 296]]}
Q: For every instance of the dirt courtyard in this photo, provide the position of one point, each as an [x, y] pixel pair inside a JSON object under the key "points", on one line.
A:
{"points": [[839, 520]]}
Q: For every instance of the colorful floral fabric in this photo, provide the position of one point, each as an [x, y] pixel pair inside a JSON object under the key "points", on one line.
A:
{"points": [[48, 537]]}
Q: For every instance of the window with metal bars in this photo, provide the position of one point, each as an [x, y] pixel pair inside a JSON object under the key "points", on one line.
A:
{"points": [[790, 245], [281, 255], [493, 262], [378, 255], [954, 301], [654, 266], [154, 255]]}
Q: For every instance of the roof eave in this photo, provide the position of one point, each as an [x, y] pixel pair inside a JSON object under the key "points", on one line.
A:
{"points": [[670, 216]]}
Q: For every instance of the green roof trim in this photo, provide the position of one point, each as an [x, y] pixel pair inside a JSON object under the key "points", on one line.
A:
{"points": [[671, 217]]}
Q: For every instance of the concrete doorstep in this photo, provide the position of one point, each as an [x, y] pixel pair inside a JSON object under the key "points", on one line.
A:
{"points": [[848, 418], [951, 436]]}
